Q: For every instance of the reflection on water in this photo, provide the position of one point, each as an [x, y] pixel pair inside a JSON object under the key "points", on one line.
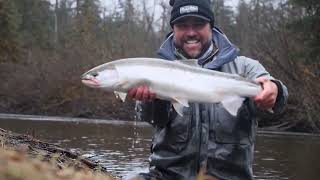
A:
{"points": [[120, 148], [287, 157], [124, 149]]}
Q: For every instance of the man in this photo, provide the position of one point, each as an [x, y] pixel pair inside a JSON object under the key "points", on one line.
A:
{"points": [[207, 137]]}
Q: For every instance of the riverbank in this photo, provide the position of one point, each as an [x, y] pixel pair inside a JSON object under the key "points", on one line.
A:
{"points": [[23, 157], [68, 119], [266, 130]]}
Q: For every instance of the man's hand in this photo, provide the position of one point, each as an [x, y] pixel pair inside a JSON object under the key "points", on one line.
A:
{"points": [[267, 97], [141, 93]]}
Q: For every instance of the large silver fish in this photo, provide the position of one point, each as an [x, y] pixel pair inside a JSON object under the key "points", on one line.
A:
{"points": [[180, 81]]}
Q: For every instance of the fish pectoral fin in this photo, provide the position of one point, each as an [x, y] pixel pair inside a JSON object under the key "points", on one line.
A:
{"points": [[121, 95], [178, 107], [183, 102], [232, 104]]}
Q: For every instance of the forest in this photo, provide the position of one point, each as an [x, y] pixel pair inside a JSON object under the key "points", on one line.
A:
{"points": [[45, 47]]}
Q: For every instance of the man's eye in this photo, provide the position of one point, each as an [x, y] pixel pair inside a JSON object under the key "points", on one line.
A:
{"points": [[199, 24], [181, 25]]}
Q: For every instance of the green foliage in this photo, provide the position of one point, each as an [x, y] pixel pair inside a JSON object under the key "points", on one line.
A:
{"points": [[64, 18], [37, 22], [9, 34]]}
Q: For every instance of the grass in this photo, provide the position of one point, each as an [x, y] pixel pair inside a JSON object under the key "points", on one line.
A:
{"points": [[15, 165]]}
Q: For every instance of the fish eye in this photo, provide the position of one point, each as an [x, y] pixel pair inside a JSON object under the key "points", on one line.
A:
{"points": [[95, 74]]}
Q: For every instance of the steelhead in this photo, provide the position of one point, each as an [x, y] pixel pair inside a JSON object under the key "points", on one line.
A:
{"points": [[180, 81]]}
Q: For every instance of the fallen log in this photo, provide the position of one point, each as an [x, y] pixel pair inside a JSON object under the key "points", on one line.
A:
{"points": [[48, 152]]}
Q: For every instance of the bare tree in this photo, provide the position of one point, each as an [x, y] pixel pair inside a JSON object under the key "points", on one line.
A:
{"points": [[164, 18], [55, 39], [148, 16]]}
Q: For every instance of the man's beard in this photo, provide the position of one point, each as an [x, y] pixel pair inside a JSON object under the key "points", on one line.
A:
{"points": [[187, 55]]}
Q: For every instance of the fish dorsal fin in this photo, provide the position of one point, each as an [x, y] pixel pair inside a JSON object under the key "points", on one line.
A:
{"points": [[121, 95], [178, 108], [232, 104], [190, 62]]}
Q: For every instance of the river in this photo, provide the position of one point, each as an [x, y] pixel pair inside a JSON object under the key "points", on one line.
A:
{"points": [[123, 147]]}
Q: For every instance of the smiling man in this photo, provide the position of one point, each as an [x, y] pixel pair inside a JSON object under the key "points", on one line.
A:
{"points": [[192, 36], [207, 137]]}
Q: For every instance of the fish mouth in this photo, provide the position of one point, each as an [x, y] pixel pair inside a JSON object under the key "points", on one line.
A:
{"points": [[91, 82]]}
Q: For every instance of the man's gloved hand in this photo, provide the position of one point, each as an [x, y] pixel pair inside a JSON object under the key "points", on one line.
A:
{"points": [[267, 97], [141, 93]]}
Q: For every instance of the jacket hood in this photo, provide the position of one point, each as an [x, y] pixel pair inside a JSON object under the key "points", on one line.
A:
{"points": [[227, 51]]}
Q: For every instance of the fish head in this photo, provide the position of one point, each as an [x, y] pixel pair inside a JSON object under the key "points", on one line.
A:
{"points": [[106, 78]]}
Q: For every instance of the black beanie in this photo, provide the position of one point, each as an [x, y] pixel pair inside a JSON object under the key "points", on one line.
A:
{"points": [[196, 8]]}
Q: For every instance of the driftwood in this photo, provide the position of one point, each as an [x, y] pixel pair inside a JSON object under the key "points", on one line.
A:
{"points": [[48, 151]]}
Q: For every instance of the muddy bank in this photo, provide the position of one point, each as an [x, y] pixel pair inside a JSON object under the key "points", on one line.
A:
{"points": [[23, 157]]}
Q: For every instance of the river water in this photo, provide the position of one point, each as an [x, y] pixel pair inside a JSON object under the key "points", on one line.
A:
{"points": [[123, 148]]}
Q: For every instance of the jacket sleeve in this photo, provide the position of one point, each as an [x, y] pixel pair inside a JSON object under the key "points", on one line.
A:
{"points": [[253, 69], [156, 112]]}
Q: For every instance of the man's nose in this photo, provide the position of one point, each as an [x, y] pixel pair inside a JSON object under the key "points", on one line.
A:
{"points": [[190, 31]]}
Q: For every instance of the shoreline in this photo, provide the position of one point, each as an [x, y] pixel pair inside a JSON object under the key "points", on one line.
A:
{"points": [[25, 157], [261, 131], [71, 119]]}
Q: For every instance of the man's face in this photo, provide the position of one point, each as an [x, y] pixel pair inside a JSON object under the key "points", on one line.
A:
{"points": [[192, 35]]}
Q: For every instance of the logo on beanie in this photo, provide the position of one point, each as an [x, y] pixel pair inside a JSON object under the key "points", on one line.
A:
{"points": [[188, 9]]}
